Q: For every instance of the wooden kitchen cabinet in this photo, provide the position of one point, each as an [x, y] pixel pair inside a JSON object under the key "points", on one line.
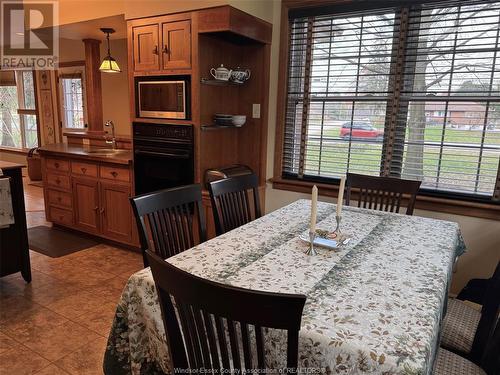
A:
{"points": [[161, 44], [86, 204], [115, 211], [146, 48], [90, 196], [176, 51]]}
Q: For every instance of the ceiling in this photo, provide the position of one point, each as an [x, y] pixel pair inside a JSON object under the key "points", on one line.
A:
{"points": [[91, 28]]}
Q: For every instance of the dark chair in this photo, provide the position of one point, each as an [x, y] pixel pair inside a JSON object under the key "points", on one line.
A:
{"points": [[381, 193], [474, 291], [166, 220], [450, 363], [466, 330], [231, 202], [209, 312]]}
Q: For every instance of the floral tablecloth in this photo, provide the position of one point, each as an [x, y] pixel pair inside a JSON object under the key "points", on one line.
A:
{"points": [[374, 307]]}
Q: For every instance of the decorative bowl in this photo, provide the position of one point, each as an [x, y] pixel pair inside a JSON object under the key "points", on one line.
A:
{"points": [[239, 120]]}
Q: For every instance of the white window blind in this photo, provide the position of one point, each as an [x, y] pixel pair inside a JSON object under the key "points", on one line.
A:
{"points": [[410, 92]]}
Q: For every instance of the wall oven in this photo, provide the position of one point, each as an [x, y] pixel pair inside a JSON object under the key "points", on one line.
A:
{"points": [[164, 99], [163, 156]]}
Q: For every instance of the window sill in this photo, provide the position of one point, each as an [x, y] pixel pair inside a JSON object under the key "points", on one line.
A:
{"points": [[14, 150], [451, 206]]}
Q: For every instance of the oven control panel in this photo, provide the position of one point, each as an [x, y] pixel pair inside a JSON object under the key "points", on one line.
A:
{"points": [[163, 131]]}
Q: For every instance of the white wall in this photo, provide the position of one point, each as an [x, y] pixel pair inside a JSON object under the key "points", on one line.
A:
{"points": [[115, 91]]}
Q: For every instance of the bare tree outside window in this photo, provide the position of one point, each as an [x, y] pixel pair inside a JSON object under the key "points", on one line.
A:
{"points": [[71, 85], [18, 125], [447, 130]]}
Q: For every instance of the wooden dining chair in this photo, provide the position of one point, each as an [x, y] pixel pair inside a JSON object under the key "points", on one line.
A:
{"points": [[167, 219], [381, 193], [208, 313], [466, 330], [235, 202]]}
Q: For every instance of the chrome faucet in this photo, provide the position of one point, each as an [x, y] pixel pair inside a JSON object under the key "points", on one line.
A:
{"points": [[109, 123]]}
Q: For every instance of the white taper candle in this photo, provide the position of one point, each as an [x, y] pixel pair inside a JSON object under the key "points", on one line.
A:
{"points": [[340, 198], [314, 208]]}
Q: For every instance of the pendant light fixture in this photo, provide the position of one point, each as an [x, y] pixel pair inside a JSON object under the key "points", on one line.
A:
{"points": [[109, 65]]}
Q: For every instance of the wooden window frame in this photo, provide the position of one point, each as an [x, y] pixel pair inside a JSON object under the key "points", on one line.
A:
{"points": [[431, 203], [72, 69], [22, 111]]}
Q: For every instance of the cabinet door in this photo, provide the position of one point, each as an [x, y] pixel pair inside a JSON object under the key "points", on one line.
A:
{"points": [[86, 204], [116, 212], [176, 49], [146, 48]]}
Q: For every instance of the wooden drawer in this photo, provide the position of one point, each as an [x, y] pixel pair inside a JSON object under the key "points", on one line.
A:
{"points": [[57, 164], [60, 216], [84, 169], [59, 198], [57, 180], [114, 173]]}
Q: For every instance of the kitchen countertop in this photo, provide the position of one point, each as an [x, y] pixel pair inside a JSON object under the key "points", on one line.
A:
{"points": [[86, 152], [8, 165]]}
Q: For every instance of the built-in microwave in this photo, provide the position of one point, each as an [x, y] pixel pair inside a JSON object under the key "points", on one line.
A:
{"points": [[162, 99]]}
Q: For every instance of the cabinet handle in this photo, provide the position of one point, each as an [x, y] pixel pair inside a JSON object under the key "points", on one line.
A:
{"points": [[102, 211], [96, 208], [165, 49], [58, 199], [155, 50], [58, 181], [84, 170], [56, 164], [114, 174]]}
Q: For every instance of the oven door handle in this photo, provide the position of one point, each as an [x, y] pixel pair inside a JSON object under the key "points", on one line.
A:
{"points": [[184, 155]]}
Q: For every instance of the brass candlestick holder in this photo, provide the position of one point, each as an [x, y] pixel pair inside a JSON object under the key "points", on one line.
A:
{"points": [[311, 251]]}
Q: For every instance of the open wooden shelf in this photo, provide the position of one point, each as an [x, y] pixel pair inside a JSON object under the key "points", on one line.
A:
{"points": [[218, 82], [219, 127]]}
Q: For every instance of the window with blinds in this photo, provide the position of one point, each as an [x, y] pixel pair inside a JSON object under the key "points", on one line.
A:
{"points": [[410, 92]]}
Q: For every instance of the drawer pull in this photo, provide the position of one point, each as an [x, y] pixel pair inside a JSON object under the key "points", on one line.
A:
{"points": [[58, 181], [84, 170], [96, 208], [102, 211], [56, 164], [114, 174], [155, 50], [58, 199]]}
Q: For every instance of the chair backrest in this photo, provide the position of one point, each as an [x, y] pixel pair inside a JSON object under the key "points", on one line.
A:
{"points": [[489, 317], [382, 193], [166, 220], [491, 359], [208, 313], [231, 203]]}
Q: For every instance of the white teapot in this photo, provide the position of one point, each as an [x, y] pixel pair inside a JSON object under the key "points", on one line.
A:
{"points": [[221, 73]]}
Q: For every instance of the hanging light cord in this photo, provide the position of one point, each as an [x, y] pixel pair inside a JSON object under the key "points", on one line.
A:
{"points": [[107, 38]]}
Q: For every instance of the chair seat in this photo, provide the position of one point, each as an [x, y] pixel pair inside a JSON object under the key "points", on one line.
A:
{"points": [[448, 363], [459, 326]]}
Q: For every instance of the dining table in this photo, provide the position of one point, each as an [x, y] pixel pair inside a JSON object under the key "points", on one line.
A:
{"points": [[374, 305]]}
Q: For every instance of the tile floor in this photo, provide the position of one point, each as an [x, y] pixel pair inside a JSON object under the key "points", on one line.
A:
{"points": [[59, 323]]}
